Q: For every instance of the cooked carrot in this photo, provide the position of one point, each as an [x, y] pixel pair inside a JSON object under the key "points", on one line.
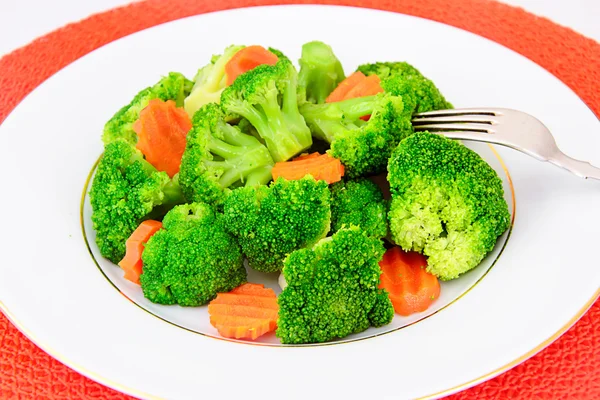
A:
{"points": [[246, 59], [132, 262], [321, 167], [369, 86], [161, 129], [411, 288], [306, 156], [247, 312], [339, 93]]}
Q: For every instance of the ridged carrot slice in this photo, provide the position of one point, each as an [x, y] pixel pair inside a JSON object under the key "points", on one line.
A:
{"points": [[247, 312], [132, 262], [411, 288], [340, 92], [324, 167], [247, 59]]}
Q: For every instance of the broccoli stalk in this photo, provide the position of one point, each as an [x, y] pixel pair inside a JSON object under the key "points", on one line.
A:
{"points": [[362, 146], [219, 156], [267, 97], [172, 87], [127, 190], [320, 72], [210, 81]]}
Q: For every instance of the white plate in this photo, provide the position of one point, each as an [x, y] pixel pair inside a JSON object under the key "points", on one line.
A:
{"points": [[545, 279]]}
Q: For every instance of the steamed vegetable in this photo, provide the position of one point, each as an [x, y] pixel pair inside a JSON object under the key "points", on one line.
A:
{"points": [[192, 258], [411, 288], [219, 156], [127, 190], [247, 59], [247, 312], [131, 264], [174, 87], [272, 221], [332, 289], [320, 72], [447, 203], [319, 166]]}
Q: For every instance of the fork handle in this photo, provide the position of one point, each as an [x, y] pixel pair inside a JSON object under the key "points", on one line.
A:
{"points": [[583, 169]]}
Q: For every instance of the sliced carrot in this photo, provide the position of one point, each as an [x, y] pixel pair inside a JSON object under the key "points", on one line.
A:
{"points": [[411, 288], [134, 246], [161, 129], [339, 93], [247, 59], [322, 167], [306, 156], [247, 312], [369, 86]]}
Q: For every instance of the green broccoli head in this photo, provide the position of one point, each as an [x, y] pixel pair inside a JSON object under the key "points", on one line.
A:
{"points": [[364, 147], [210, 81], [332, 289], [271, 222], [320, 72], [359, 203], [267, 97], [125, 191], [191, 259], [447, 203], [402, 79], [219, 156], [174, 86]]}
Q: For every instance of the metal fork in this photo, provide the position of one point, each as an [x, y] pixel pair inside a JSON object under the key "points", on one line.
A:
{"points": [[506, 127]]}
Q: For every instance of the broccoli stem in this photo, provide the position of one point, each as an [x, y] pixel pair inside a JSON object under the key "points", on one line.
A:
{"points": [[320, 71]]}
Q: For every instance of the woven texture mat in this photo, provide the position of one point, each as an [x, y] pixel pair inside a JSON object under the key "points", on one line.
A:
{"points": [[569, 368]]}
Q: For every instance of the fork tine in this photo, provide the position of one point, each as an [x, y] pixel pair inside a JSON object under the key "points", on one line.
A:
{"points": [[481, 119], [459, 111], [481, 128]]}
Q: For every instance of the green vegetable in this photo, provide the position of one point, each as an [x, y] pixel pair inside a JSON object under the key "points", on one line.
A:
{"points": [[332, 289], [447, 203], [358, 203], [364, 147], [172, 87], [191, 259], [402, 79], [267, 97], [320, 72], [127, 190], [219, 156], [210, 81], [271, 222]]}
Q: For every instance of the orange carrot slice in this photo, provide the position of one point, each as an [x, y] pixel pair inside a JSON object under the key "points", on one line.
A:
{"points": [[339, 93], [411, 288], [161, 129], [369, 86], [247, 312], [321, 167], [132, 262], [306, 156], [246, 59]]}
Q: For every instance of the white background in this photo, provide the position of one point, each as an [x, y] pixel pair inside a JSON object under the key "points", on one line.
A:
{"points": [[24, 20]]}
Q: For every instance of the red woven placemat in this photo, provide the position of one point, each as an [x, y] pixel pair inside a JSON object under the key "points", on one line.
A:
{"points": [[569, 368]]}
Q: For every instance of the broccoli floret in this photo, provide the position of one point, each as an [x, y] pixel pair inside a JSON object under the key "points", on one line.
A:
{"points": [[210, 81], [447, 203], [364, 147], [267, 97], [332, 289], [219, 156], [320, 72], [359, 203], [172, 87], [127, 190], [191, 259], [402, 79], [271, 222]]}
